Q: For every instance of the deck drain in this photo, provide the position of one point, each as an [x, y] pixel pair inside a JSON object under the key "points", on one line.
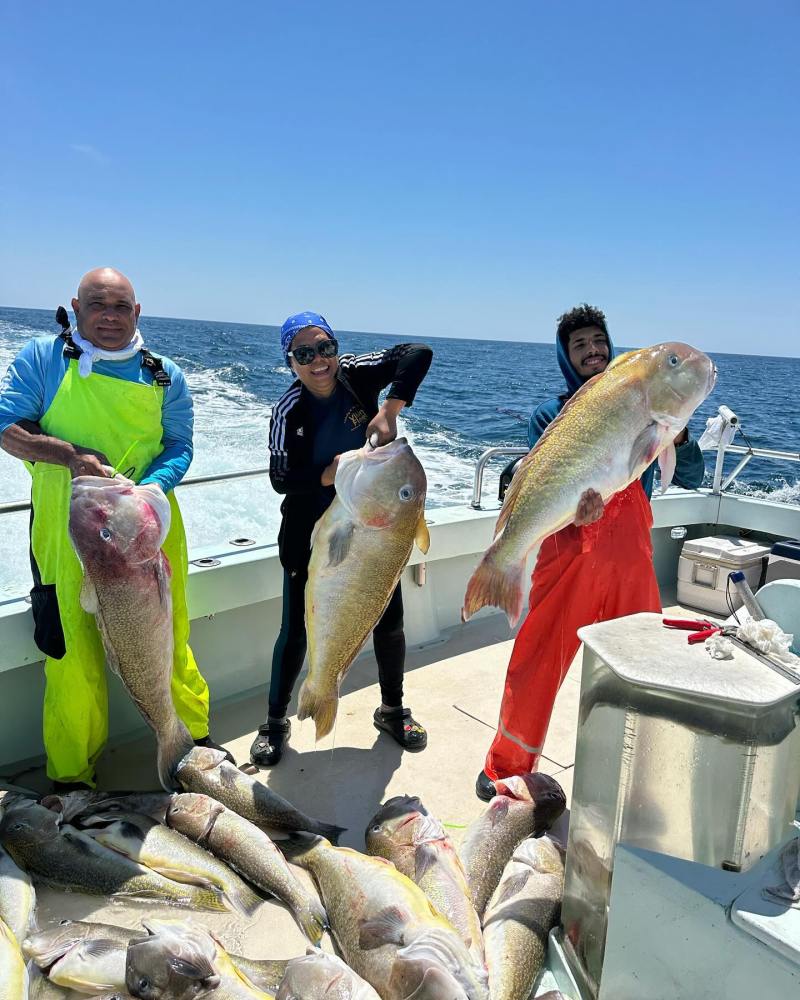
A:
{"points": [[206, 562], [242, 542]]}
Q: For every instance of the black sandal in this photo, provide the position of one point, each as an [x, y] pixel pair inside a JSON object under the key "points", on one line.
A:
{"points": [[401, 726], [267, 748]]}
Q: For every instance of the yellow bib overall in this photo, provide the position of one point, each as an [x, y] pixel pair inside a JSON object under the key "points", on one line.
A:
{"points": [[108, 415]]}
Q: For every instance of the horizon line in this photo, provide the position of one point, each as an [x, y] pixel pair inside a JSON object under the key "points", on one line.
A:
{"points": [[375, 333]]}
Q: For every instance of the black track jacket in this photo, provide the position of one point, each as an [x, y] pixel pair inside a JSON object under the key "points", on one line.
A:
{"points": [[291, 437]]}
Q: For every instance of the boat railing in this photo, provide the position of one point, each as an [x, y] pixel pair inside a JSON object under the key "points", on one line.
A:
{"points": [[480, 467], [720, 484], [728, 420], [13, 506]]}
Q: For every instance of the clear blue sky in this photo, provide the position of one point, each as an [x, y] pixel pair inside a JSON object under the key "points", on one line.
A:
{"points": [[464, 169]]}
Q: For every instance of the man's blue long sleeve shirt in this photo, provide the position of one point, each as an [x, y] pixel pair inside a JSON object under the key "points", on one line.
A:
{"points": [[35, 374]]}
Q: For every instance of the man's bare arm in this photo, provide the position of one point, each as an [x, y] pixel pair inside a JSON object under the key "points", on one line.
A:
{"points": [[26, 440]]}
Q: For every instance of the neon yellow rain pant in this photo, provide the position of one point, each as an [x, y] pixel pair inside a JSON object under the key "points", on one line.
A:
{"points": [[108, 415]]}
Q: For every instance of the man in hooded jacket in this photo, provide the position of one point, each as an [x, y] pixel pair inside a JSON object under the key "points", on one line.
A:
{"points": [[597, 568]]}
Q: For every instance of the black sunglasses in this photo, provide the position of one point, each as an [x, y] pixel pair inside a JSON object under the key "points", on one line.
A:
{"points": [[306, 353]]}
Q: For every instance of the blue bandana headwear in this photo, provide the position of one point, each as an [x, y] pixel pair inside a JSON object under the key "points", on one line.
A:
{"points": [[294, 324]]}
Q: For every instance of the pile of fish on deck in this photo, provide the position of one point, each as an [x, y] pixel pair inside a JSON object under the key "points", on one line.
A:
{"points": [[411, 917]]}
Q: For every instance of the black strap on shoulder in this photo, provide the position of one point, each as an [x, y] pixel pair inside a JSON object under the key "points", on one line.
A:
{"points": [[151, 362], [71, 349], [155, 366]]}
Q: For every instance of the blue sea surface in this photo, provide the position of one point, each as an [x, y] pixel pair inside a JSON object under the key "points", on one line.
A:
{"points": [[478, 394]]}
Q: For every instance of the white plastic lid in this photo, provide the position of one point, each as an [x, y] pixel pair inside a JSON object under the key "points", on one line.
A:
{"points": [[726, 548]]}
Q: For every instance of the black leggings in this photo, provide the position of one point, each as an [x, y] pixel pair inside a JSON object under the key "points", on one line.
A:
{"points": [[290, 648]]}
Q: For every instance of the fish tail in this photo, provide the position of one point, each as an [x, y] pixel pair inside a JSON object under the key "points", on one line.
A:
{"points": [[313, 920], [243, 898], [318, 705], [172, 748], [299, 848], [495, 585], [208, 899], [327, 830]]}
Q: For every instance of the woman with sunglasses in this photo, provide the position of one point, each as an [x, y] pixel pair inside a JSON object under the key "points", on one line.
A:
{"points": [[331, 407]]}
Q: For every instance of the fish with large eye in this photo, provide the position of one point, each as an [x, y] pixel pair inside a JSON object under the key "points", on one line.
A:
{"points": [[105, 534], [360, 548]]}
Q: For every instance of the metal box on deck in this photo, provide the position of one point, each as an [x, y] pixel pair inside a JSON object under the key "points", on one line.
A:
{"points": [[678, 753]]}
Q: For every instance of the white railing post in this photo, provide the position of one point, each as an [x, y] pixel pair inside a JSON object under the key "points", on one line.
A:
{"points": [[729, 419]]}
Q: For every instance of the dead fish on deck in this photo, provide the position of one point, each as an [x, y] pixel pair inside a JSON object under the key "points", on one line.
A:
{"points": [[319, 976], [13, 974], [172, 855], [520, 914], [40, 987], [67, 858], [405, 833], [117, 530], [78, 951], [386, 928], [243, 846], [72, 806], [604, 438], [179, 961], [525, 805], [83, 956], [17, 897], [208, 771], [360, 546]]}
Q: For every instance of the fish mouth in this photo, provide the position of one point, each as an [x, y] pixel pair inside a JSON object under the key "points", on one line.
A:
{"points": [[383, 452]]}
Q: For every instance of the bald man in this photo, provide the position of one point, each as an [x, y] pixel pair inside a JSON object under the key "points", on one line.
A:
{"points": [[86, 403]]}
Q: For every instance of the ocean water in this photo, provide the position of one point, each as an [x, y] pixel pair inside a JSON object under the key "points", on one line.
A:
{"points": [[478, 394]]}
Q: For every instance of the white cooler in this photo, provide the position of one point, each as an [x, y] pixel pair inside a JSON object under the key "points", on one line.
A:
{"points": [[704, 566]]}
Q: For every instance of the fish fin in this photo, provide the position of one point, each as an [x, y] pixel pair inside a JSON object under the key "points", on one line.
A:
{"points": [[316, 705], [510, 887], [99, 947], [422, 536], [163, 573], [666, 462], [187, 878], [386, 927], [88, 596], [424, 860], [513, 491], [196, 970], [618, 359], [329, 831], [644, 449], [243, 898], [339, 543], [501, 588], [551, 429], [313, 920]]}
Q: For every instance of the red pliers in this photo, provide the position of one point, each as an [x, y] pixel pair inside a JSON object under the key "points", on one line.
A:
{"points": [[700, 629]]}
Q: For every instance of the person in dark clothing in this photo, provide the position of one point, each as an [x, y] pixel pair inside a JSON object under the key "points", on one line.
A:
{"points": [[331, 407]]}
